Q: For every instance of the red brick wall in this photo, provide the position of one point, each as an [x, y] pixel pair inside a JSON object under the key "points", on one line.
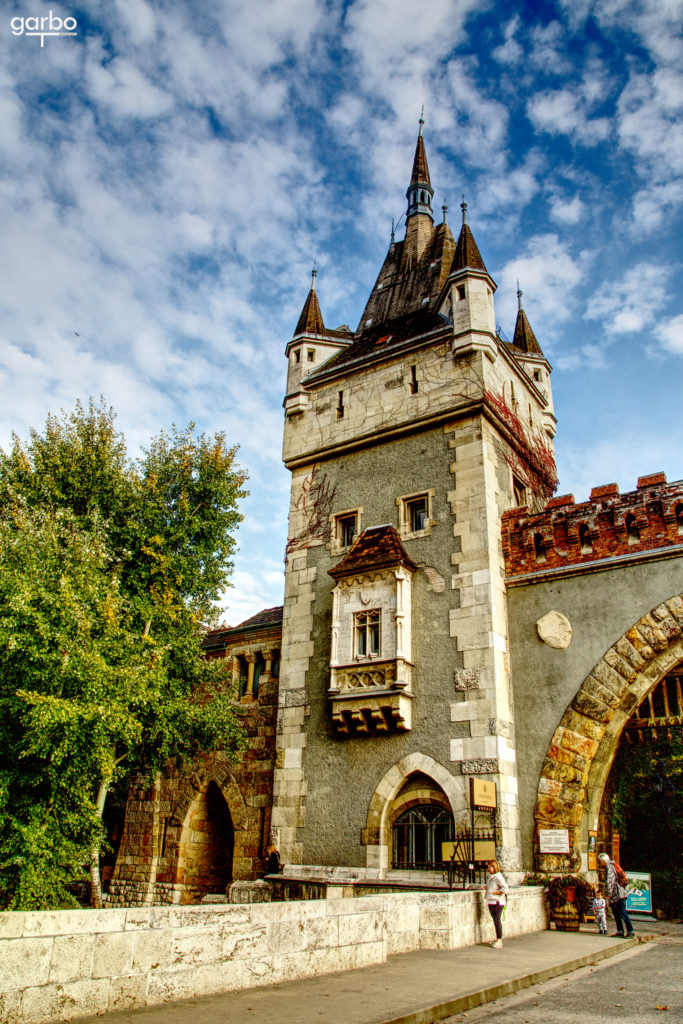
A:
{"points": [[609, 525]]}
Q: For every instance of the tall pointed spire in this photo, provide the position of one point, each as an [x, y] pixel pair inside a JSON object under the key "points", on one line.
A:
{"points": [[420, 191], [524, 338], [466, 252], [311, 319]]}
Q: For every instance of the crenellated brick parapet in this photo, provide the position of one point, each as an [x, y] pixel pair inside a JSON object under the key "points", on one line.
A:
{"points": [[608, 526]]}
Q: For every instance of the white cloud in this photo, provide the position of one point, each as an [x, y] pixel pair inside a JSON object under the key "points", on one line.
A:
{"points": [[566, 112], [650, 124], [631, 303], [509, 52], [567, 211], [548, 274], [670, 335], [549, 48]]}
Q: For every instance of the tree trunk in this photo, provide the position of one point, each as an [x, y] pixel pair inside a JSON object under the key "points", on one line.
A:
{"points": [[95, 882]]}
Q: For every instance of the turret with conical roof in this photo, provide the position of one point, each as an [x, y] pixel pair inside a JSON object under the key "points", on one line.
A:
{"points": [[312, 345], [469, 298], [524, 337]]}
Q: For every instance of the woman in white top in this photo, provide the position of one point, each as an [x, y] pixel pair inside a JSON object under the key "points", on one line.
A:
{"points": [[496, 898]]}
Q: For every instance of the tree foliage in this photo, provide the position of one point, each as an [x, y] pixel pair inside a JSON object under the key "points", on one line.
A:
{"points": [[108, 569]]}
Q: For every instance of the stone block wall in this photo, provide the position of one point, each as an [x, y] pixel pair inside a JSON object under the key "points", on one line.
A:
{"points": [[608, 526], [62, 965]]}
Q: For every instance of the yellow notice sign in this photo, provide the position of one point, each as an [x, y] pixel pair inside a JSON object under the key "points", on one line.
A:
{"points": [[483, 794]]}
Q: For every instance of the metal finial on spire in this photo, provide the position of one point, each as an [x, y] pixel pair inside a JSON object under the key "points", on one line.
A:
{"points": [[314, 272], [445, 211], [393, 231], [463, 207], [422, 119], [519, 296]]}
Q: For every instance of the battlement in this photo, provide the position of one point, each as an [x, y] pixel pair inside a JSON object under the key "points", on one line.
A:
{"points": [[610, 524]]}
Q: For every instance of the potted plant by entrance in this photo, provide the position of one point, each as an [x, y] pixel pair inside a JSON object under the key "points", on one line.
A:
{"points": [[569, 898]]}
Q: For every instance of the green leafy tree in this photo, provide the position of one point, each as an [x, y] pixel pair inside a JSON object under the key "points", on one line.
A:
{"points": [[108, 570]]}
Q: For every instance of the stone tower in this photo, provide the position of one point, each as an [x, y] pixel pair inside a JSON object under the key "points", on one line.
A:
{"points": [[406, 442]]}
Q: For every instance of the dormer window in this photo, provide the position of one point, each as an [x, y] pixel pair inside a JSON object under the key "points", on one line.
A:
{"points": [[367, 633]]}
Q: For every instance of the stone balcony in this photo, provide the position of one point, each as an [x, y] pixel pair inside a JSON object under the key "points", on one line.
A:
{"points": [[371, 697]]}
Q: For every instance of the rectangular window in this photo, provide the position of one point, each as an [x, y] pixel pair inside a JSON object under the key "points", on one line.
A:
{"points": [[346, 529], [413, 380], [310, 355], [367, 633], [340, 406], [417, 514], [415, 517]]}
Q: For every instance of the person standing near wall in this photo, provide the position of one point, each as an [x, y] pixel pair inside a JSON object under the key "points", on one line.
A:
{"points": [[496, 898], [616, 897]]}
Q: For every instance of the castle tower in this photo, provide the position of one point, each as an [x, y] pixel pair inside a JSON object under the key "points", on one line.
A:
{"points": [[406, 442]]}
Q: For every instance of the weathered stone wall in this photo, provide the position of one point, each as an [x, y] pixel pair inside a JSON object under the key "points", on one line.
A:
{"points": [[602, 604], [66, 964], [187, 835]]}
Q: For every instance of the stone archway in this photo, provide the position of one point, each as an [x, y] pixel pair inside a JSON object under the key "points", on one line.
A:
{"points": [[376, 835], [585, 742]]}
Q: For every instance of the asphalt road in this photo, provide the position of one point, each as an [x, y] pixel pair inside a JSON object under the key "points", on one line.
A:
{"points": [[643, 986]]}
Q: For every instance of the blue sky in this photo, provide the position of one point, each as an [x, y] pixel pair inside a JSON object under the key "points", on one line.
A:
{"points": [[169, 174]]}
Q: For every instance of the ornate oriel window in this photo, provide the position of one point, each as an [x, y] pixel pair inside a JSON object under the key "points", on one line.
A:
{"points": [[417, 837], [367, 633]]}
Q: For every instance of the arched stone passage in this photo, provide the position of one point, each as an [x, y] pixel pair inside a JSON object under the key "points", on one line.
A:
{"points": [[376, 835], [585, 742]]}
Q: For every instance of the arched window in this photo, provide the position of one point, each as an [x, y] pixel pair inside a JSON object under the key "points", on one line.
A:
{"points": [[585, 539], [632, 531], [539, 548], [418, 834]]}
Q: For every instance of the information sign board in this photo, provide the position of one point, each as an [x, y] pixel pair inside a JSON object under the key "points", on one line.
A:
{"points": [[639, 888], [553, 840], [483, 795]]}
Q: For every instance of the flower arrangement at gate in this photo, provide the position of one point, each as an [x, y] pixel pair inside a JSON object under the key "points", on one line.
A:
{"points": [[556, 892]]}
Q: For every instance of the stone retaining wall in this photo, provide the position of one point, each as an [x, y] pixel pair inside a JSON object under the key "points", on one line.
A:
{"points": [[61, 965]]}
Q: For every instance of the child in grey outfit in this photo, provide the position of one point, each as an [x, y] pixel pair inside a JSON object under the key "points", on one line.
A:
{"points": [[599, 909]]}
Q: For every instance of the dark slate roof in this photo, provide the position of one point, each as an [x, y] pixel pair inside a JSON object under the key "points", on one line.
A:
{"points": [[524, 337], [267, 617], [311, 319], [404, 282], [386, 334], [377, 548], [466, 252], [420, 175]]}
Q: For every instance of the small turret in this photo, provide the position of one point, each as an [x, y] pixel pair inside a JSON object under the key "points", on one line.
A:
{"points": [[469, 297], [527, 351], [419, 215]]}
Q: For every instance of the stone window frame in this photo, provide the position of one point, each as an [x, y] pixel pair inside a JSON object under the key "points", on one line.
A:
{"points": [[404, 525], [367, 655], [521, 486], [335, 544]]}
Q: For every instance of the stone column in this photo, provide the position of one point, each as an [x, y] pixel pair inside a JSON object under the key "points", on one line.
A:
{"points": [[249, 692]]}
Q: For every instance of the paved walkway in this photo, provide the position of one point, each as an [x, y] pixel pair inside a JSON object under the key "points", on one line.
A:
{"points": [[411, 988]]}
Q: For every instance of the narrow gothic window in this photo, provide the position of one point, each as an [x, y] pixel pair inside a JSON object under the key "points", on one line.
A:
{"points": [[632, 531], [367, 633], [679, 518], [310, 355], [519, 489], [539, 548], [585, 540], [413, 380], [297, 355], [340, 406], [461, 292]]}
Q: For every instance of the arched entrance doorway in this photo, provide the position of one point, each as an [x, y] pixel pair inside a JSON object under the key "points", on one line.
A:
{"points": [[641, 818], [585, 743], [206, 845]]}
